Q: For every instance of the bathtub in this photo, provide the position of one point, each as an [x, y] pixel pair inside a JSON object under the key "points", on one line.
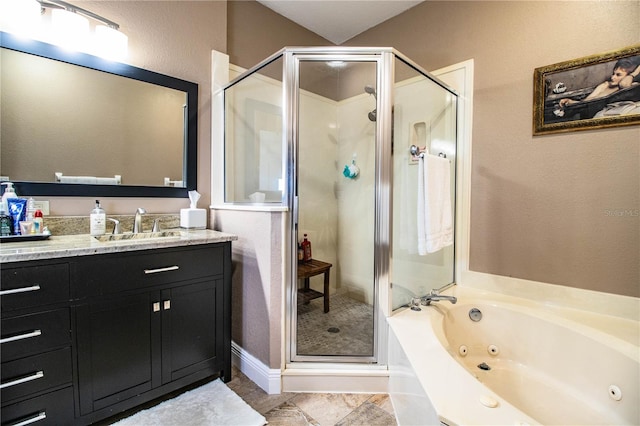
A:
{"points": [[521, 363]]}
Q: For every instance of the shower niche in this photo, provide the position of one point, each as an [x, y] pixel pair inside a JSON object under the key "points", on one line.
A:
{"points": [[325, 132]]}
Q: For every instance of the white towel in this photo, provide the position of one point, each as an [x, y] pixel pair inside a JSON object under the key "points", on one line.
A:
{"points": [[435, 218], [93, 180]]}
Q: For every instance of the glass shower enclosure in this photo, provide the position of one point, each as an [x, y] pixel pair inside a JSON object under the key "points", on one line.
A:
{"points": [[326, 133]]}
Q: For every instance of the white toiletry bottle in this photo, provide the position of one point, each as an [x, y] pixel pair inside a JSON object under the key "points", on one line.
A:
{"points": [[9, 192], [31, 208], [97, 220]]}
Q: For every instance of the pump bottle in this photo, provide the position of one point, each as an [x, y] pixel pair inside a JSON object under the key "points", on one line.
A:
{"points": [[97, 220], [9, 192]]}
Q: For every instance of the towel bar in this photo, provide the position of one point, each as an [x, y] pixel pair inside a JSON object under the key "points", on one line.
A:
{"points": [[419, 152]]}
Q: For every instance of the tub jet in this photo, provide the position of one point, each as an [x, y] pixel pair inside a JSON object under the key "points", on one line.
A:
{"points": [[484, 366]]}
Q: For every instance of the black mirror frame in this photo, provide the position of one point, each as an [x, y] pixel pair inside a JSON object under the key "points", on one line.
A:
{"points": [[190, 161]]}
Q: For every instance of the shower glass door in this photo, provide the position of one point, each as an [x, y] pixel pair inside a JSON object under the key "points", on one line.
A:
{"points": [[335, 302], [425, 116]]}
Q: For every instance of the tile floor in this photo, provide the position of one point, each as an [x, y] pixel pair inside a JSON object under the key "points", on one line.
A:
{"points": [[317, 409], [347, 329]]}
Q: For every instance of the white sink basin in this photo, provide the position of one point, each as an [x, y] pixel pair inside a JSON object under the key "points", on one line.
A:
{"points": [[138, 236]]}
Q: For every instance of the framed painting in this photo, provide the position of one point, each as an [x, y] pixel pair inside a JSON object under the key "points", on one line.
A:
{"points": [[594, 92]]}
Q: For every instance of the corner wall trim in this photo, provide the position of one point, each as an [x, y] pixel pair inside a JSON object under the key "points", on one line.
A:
{"points": [[269, 379]]}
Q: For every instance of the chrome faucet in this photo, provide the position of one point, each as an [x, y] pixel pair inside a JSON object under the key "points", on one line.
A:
{"points": [[116, 225], [434, 296], [137, 222]]}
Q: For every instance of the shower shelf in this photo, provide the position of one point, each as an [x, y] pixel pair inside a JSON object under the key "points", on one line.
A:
{"points": [[307, 295]]}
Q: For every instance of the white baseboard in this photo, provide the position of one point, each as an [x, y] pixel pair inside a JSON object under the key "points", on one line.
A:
{"points": [[269, 379]]}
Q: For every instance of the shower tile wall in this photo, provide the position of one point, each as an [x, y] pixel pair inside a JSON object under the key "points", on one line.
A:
{"points": [[317, 178], [356, 197]]}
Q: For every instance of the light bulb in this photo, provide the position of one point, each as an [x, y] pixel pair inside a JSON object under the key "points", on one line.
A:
{"points": [[110, 43], [20, 17], [70, 30]]}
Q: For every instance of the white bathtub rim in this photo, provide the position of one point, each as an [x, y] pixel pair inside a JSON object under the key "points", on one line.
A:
{"points": [[615, 305], [617, 331]]}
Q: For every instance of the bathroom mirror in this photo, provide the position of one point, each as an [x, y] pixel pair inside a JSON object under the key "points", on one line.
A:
{"points": [[77, 125]]}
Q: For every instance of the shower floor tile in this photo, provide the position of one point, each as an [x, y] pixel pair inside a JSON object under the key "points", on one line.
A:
{"points": [[347, 329]]}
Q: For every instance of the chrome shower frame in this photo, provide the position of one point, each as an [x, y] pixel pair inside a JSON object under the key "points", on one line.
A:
{"points": [[385, 77], [293, 57]]}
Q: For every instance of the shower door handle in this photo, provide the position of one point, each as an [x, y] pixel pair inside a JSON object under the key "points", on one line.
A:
{"points": [[295, 210]]}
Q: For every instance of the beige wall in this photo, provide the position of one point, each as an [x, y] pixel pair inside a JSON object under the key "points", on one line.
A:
{"points": [[174, 38], [256, 313], [254, 32], [543, 208]]}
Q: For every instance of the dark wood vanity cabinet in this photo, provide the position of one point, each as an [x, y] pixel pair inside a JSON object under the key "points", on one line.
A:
{"points": [[143, 324]]}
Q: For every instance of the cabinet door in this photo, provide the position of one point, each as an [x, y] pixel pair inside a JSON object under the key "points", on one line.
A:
{"points": [[118, 349], [192, 329]]}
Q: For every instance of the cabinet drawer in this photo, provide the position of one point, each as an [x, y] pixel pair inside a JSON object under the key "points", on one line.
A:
{"points": [[55, 408], [35, 333], [98, 275], [35, 374], [30, 286]]}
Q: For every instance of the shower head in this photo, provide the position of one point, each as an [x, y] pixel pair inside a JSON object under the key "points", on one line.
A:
{"points": [[370, 90]]}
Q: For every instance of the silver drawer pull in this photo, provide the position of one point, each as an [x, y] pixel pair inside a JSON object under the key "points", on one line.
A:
{"points": [[20, 290], [155, 271], [34, 333], [40, 416], [38, 375]]}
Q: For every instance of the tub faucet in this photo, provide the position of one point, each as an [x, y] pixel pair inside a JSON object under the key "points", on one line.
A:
{"points": [[433, 296], [137, 222]]}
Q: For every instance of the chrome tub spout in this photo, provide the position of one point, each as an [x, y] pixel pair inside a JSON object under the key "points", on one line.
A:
{"points": [[434, 296]]}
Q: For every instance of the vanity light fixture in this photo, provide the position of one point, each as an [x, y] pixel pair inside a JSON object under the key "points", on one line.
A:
{"points": [[69, 26], [109, 42]]}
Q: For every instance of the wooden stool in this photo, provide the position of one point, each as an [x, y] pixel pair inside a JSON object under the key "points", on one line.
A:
{"points": [[307, 270]]}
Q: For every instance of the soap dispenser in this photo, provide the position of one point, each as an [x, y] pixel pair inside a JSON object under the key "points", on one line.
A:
{"points": [[9, 192], [97, 220]]}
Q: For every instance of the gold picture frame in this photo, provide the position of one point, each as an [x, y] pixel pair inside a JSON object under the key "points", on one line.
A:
{"points": [[593, 92]]}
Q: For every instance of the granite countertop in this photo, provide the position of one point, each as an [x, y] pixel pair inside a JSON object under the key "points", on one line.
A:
{"points": [[58, 246]]}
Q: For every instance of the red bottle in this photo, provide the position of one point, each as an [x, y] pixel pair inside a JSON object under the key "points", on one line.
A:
{"points": [[306, 249]]}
